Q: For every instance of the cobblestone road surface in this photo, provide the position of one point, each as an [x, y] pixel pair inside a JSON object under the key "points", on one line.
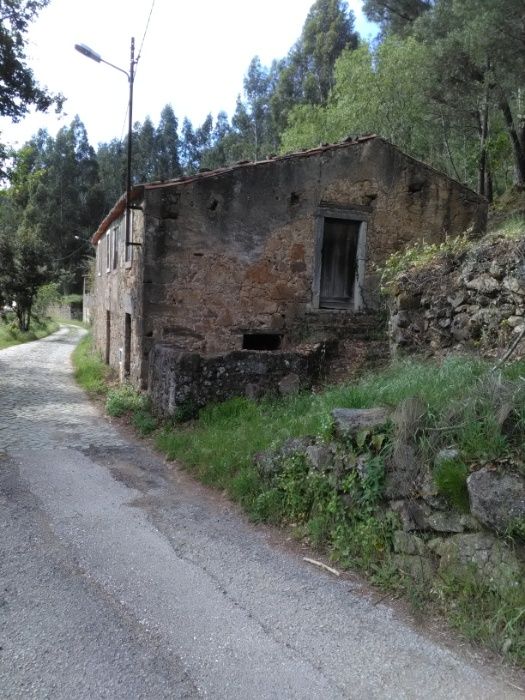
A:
{"points": [[121, 578], [41, 407]]}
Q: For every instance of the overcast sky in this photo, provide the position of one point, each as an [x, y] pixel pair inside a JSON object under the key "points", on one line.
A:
{"points": [[194, 56]]}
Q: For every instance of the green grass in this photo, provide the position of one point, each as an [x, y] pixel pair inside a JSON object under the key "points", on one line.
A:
{"points": [[90, 371], [450, 478], [512, 228], [124, 400], [225, 437], [98, 380], [485, 616], [10, 335], [72, 322]]}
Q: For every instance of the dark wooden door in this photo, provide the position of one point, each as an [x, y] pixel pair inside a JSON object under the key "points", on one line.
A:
{"points": [[338, 263]]}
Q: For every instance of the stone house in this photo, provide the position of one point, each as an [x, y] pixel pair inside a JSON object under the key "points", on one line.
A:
{"points": [[228, 273]]}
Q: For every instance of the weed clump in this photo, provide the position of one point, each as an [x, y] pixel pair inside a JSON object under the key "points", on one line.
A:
{"points": [[124, 400], [450, 477], [90, 371]]}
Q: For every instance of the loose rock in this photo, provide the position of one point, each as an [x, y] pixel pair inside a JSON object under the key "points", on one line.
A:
{"points": [[497, 499]]}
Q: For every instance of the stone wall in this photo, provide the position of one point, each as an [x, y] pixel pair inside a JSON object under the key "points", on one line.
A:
{"points": [[432, 537], [185, 381], [234, 252], [117, 291], [472, 300], [65, 312]]}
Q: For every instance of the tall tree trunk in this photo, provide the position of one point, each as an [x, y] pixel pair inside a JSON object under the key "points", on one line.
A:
{"points": [[489, 185], [516, 142], [483, 135]]}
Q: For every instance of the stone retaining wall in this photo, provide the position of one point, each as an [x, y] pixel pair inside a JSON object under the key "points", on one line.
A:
{"points": [[182, 380], [475, 299]]}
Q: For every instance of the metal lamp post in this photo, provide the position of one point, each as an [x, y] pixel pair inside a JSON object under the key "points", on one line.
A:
{"points": [[86, 51]]}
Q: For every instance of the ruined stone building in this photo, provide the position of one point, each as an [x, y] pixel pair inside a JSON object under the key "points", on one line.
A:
{"points": [[231, 275]]}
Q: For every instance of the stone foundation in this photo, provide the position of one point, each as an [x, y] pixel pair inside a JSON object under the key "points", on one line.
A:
{"points": [[182, 380]]}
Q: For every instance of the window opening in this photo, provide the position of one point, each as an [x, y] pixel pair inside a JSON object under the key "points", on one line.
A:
{"points": [[114, 247], [261, 341], [99, 257]]}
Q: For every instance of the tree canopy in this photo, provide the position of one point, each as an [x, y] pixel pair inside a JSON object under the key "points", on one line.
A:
{"points": [[18, 88]]}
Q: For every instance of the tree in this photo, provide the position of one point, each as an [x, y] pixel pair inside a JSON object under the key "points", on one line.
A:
{"points": [[395, 16], [145, 157], [189, 148], [63, 202], [23, 269], [18, 87], [381, 90], [167, 146], [259, 84], [306, 75], [478, 57], [112, 166], [220, 152]]}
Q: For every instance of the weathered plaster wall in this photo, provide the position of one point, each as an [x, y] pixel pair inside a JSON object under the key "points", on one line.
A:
{"points": [[234, 252]]}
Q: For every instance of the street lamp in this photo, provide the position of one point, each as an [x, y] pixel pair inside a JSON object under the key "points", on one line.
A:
{"points": [[94, 56]]}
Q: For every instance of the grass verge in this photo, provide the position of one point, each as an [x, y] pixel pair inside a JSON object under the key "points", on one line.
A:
{"points": [[90, 371], [11, 335]]}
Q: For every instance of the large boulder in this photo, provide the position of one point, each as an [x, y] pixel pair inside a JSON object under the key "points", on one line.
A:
{"points": [[497, 498], [481, 553]]}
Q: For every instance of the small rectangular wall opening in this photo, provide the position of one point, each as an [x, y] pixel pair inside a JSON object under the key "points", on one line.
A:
{"points": [[127, 345], [261, 341], [108, 337]]}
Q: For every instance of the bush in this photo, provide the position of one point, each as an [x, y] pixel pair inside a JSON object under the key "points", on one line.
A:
{"points": [[47, 295], [10, 333]]}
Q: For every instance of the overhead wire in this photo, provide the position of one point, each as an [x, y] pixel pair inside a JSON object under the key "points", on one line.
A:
{"points": [[145, 31], [136, 62]]}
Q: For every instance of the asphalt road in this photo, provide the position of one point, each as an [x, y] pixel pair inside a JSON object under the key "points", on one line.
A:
{"points": [[121, 578]]}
